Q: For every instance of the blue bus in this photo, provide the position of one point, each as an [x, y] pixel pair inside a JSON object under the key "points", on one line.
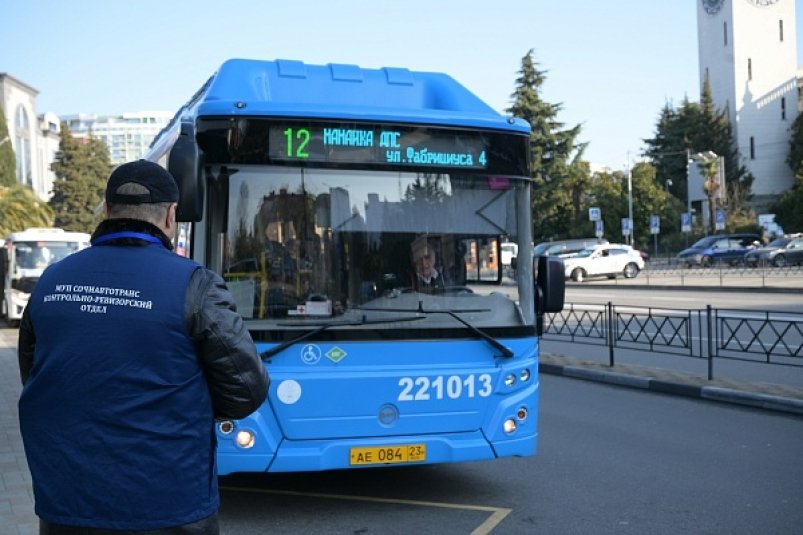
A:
{"points": [[357, 216]]}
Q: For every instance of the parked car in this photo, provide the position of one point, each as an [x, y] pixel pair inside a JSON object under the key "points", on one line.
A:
{"points": [[565, 248], [610, 260], [725, 248], [779, 253]]}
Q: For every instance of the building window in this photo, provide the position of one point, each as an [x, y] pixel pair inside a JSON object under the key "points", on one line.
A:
{"points": [[752, 148], [725, 32], [22, 146], [749, 68], [780, 29], [783, 108]]}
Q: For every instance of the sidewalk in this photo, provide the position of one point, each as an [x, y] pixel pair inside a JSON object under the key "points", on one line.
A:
{"points": [[784, 398], [16, 496]]}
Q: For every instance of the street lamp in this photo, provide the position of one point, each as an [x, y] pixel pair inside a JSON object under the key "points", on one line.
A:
{"points": [[667, 184]]}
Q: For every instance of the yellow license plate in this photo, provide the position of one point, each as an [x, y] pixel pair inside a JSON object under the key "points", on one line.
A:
{"points": [[407, 453]]}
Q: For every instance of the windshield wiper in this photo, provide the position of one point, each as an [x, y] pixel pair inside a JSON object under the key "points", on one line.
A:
{"points": [[320, 327], [454, 313]]}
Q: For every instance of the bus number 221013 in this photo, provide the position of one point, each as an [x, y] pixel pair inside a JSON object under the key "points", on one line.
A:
{"points": [[453, 387]]}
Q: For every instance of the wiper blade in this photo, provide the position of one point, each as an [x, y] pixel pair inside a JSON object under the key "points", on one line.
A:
{"points": [[320, 327], [454, 313]]}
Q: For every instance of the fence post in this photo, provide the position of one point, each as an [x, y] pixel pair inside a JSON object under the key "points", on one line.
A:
{"points": [[710, 336], [611, 332]]}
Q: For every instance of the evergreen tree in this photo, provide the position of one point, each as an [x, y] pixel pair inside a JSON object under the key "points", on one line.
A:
{"points": [[694, 128], [558, 183], [8, 164], [20, 208], [795, 158], [81, 171], [787, 210]]}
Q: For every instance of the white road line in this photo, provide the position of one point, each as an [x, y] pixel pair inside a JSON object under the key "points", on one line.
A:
{"points": [[497, 513]]}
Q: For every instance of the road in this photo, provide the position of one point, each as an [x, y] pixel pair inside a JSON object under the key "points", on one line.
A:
{"points": [[685, 298], [610, 460]]}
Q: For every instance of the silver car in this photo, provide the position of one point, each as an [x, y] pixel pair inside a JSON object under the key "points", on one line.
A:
{"points": [[779, 253]]}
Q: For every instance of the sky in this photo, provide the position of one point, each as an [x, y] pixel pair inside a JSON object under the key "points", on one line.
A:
{"points": [[612, 66]]}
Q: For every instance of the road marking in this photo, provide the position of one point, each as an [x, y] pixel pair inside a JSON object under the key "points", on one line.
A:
{"points": [[497, 513]]}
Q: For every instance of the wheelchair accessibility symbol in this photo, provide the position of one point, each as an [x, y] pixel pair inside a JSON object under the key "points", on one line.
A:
{"points": [[310, 354]]}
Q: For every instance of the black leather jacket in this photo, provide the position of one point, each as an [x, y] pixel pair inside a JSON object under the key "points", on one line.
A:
{"points": [[237, 378]]}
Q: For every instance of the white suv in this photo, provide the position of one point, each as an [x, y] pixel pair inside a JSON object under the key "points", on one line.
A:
{"points": [[610, 259]]}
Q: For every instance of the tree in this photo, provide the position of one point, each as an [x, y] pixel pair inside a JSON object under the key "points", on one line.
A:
{"points": [[8, 163], [81, 171], [710, 169], [559, 183], [20, 208], [795, 157], [697, 128], [787, 209]]}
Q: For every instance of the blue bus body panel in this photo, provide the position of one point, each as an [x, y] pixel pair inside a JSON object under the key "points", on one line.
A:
{"points": [[287, 88], [328, 397]]}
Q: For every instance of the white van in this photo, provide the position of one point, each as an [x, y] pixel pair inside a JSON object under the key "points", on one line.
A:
{"points": [[509, 250]]}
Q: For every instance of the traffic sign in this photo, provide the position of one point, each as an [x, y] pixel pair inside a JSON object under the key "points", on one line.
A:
{"points": [[594, 214], [599, 228], [685, 222], [655, 224], [720, 219], [627, 226]]}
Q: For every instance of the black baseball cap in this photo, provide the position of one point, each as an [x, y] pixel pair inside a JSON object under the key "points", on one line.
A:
{"points": [[161, 184]]}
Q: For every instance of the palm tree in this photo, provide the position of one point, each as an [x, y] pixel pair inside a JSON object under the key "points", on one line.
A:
{"points": [[709, 166]]}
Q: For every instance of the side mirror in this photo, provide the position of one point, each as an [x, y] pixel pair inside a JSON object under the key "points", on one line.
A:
{"points": [[513, 262], [550, 291], [184, 164]]}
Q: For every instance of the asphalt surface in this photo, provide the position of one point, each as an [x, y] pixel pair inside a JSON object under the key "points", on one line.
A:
{"points": [[16, 497]]}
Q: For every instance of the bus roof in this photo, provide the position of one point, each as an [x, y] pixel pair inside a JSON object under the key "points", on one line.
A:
{"points": [[288, 88]]}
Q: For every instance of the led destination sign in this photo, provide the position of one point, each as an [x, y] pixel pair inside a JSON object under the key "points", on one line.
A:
{"points": [[377, 145]]}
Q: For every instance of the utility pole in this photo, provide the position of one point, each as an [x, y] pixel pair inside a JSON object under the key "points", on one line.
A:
{"points": [[630, 199]]}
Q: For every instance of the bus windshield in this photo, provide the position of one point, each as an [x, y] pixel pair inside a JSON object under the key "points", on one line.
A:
{"points": [[40, 254], [304, 246]]}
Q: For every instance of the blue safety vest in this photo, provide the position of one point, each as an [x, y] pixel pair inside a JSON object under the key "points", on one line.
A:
{"points": [[116, 417]]}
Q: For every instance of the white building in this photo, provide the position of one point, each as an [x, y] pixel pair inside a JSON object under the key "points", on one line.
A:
{"points": [[35, 139], [747, 49], [127, 136]]}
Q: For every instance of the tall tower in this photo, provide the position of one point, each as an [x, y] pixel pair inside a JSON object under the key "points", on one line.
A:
{"points": [[747, 49]]}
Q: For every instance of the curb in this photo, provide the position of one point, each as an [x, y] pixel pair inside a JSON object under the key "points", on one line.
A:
{"points": [[713, 393], [757, 289]]}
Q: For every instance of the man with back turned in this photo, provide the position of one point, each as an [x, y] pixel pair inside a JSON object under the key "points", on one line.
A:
{"points": [[127, 353]]}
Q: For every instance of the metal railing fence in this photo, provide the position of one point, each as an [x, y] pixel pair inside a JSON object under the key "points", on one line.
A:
{"points": [[710, 333]]}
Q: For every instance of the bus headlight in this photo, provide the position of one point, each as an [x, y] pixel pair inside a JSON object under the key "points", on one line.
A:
{"points": [[524, 375], [509, 425], [245, 439], [510, 380]]}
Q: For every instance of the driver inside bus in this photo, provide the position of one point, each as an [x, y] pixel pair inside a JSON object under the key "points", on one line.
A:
{"points": [[427, 278]]}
